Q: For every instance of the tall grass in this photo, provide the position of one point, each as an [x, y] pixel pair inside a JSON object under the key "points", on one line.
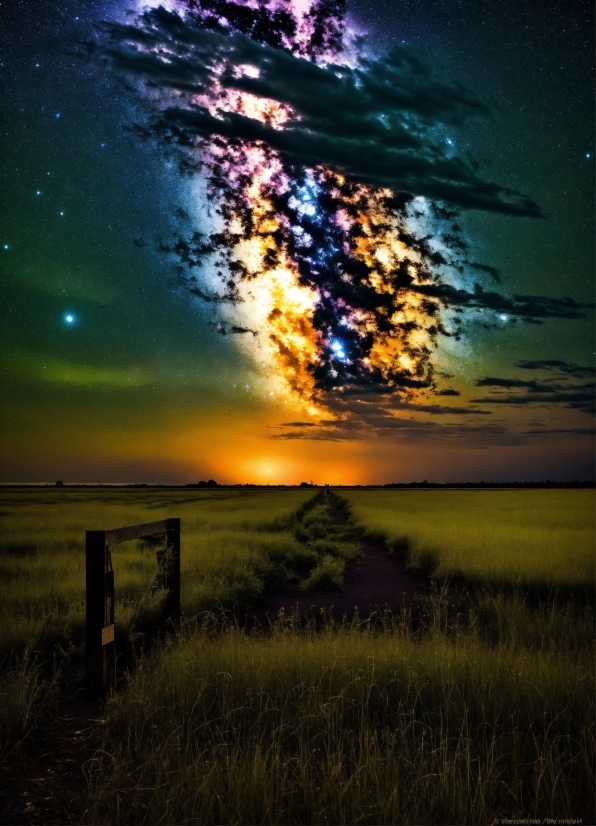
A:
{"points": [[26, 697], [350, 725], [474, 706], [234, 545], [233, 542], [535, 537]]}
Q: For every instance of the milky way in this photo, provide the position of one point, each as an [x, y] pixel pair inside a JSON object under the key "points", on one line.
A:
{"points": [[324, 168]]}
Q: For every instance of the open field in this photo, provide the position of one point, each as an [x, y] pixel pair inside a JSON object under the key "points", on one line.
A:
{"points": [[531, 537], [475, 704], [229, 541], [348, 726]]}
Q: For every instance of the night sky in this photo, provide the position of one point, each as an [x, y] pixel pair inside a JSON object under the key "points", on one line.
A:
{"points": [[280, 244]]}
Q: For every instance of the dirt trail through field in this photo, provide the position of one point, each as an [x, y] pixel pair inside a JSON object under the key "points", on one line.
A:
{"points": [[373, 583]]}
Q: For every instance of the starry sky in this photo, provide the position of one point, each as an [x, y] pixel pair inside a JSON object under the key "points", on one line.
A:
{"points": [[360, 253]]}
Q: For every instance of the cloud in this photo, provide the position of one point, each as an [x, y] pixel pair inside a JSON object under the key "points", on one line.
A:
{"points": [[317, 436], [567, 431], [368, 417], [440, 409], [370, 121], [368, 421], [234, 329], [492, 271], [299, 424], [578, 400], [533, 386], [528, 307], [556, 365], [564, 384]]}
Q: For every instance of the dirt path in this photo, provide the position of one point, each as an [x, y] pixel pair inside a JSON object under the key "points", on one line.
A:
{"points": [[49, 786], [373, 583]]}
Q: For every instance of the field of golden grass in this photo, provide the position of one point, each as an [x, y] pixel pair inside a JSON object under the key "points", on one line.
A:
{"points": [[228, 537], [531, 537]]}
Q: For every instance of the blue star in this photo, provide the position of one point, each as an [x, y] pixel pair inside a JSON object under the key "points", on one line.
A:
{"points": [[338, 349], [69, 318]]}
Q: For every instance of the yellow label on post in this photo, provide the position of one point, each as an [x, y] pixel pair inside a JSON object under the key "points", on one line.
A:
{"points": [[107, 634]]}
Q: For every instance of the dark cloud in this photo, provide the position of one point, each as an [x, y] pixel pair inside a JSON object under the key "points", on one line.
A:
{"points": [[492, 271], [365, 417], [528, 307], [563, 385], [533, 386], [567, 431], [240, 330], [440, 409], [567, 367], [298, 424], [367, 421], [369, 122], [318, 435], [578, 400], [449, 391]]}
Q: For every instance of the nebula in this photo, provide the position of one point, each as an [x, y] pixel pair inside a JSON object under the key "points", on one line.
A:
{"points": [[324, 169]]}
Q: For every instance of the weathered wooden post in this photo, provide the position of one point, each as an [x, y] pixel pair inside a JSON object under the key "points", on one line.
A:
{"points": [[172, 578], [101, 653], [100, 638]]}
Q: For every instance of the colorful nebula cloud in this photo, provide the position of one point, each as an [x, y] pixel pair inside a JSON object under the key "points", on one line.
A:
{"points": [[328, 239]]}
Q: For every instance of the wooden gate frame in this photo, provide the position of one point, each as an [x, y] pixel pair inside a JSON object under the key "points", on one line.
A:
{"points": [[100, 643]]}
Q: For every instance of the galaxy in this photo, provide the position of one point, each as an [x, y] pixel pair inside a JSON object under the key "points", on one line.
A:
{"points": [[285, 235]]}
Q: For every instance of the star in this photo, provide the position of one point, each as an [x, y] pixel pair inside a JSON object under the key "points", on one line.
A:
{"points": [[338, 349], [69, 318]]}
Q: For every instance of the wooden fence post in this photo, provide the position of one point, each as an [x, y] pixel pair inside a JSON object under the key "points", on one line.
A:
{"points": [[100, 646], [173, 568]]}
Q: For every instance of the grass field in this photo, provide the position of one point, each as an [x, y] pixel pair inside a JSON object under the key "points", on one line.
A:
{"points": [[348, 726], [532, 537], [233, 542], [476, 706]]}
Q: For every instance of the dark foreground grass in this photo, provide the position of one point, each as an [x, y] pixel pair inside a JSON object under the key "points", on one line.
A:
{"points": [[476, 704], [236, 546], [353, 724]]}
